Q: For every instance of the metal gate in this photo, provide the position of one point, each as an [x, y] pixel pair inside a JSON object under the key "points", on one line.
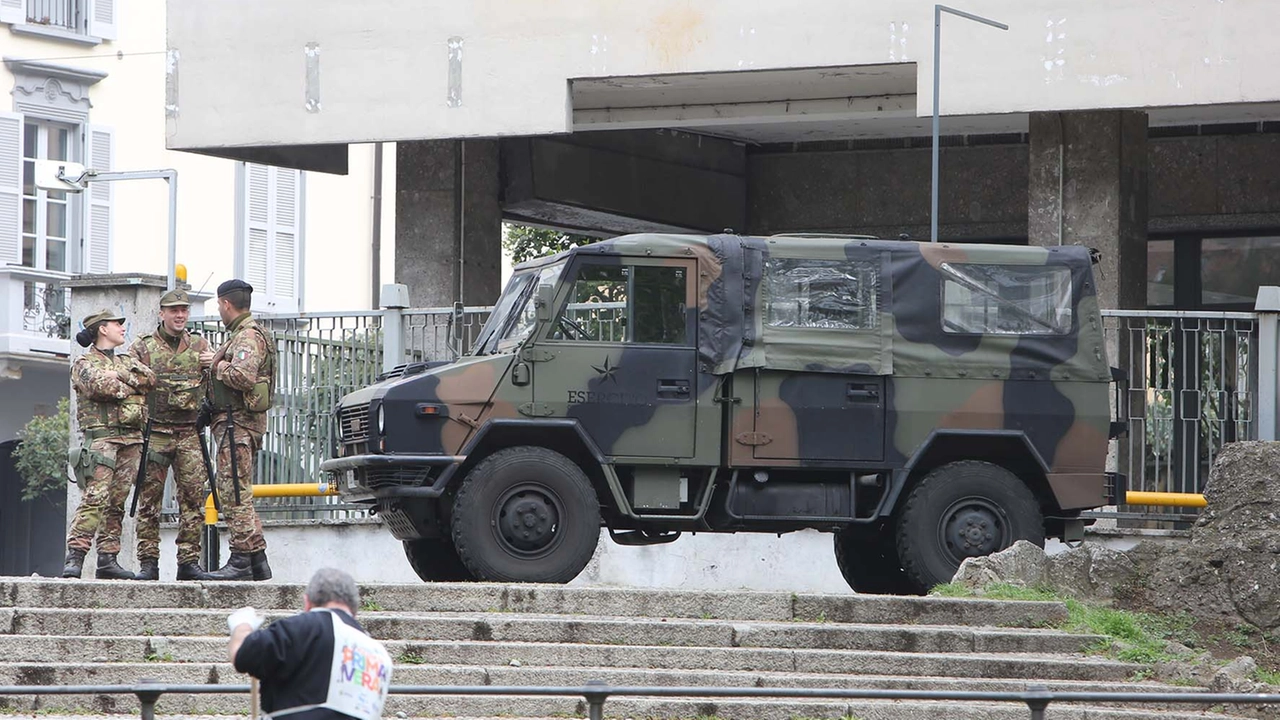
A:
{"points": [[1193, 386]]}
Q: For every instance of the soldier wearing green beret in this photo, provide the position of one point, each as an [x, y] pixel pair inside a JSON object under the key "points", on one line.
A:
{"points": [[241, 388], [173, 354], [110, 408]]}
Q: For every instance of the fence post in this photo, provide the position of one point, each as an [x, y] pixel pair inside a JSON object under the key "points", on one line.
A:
{"points": [[1037, 698], [394, 301], [595, 699], [1268, 309], [148, 694]]}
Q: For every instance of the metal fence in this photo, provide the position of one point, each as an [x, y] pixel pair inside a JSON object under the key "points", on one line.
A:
{"points": [[1036, 698], [1193, 386], [321, 357]]}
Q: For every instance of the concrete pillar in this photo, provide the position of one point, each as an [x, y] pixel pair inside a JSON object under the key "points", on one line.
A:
{"points": [[1088, 186], [447, 248], [137, 298]]}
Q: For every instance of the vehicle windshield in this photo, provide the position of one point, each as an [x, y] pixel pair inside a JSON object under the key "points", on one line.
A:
{"points": [[514, 315]]}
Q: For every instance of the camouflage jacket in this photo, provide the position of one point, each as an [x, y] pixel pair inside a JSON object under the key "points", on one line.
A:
{"points": [[179, 377], [244, 373], [110, 390]]}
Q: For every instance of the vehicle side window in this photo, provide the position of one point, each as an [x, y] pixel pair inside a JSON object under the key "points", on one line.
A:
{"points": [[821, 294], [1006, 299], [625, 303]]}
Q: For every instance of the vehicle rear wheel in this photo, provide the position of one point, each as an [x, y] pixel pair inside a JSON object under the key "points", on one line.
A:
{"points": [[526, 514], [961, 510], [436, 560], [868, 559]]}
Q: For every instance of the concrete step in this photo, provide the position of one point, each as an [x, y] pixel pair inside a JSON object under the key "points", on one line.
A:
{"points": [[585, 630], [543, 600], [457, 706], [69, 673], [33, 649]]}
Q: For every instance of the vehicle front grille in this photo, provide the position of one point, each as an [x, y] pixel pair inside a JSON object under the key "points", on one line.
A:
{"points": [[354, 422], [396, 476]]}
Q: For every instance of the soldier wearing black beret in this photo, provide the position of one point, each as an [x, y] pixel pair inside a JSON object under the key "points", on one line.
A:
{"points": [[241, 388]]}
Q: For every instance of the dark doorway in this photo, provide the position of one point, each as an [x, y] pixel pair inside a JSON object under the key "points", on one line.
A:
{"points": [[32, 533]]}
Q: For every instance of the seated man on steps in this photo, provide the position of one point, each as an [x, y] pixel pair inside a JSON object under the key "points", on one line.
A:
{"points": [[318, 665]]}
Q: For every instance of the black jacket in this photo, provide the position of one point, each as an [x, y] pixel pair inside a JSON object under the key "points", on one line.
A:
{"points": [[293, 658]]}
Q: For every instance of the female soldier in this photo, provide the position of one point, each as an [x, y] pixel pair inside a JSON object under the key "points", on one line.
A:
{"points": [[110, 407]]}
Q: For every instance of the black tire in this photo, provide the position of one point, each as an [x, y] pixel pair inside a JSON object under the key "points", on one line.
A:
{"points": [[868, 559], [963, 509], [436, 560], [526, 514]]}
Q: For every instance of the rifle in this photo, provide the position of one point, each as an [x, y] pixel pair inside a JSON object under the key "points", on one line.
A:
{"points": [[142, 463], [202, 422], [235, 467]]}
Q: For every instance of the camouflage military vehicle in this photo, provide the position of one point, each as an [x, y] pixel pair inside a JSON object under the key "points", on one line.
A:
{"points": [[923, 402]]}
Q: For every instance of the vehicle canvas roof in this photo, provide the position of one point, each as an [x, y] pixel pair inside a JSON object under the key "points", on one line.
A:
{"points": [[757, 304]]}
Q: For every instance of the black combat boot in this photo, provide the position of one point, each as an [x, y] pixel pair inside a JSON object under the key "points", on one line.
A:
{"points": [[190, 571], [238, 567], [109, 569], [261, 570], [75, 564], [149, 570]]}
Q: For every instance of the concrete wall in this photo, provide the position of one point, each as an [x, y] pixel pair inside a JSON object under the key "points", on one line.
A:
{"points": [[388, 72], [1199, 183], [885, 192]]}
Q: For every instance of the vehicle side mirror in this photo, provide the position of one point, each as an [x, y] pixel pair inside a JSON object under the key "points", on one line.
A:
{"points": [[542, 302], [456, 321]]}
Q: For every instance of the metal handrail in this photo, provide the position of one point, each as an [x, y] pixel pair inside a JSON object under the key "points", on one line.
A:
{"points": [[1036, 697]]}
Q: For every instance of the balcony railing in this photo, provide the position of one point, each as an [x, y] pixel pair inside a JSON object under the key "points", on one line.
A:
{"points": [[34, 313], [64, 14]]}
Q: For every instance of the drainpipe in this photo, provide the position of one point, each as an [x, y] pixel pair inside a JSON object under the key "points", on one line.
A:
{"points": [[377, 226]]}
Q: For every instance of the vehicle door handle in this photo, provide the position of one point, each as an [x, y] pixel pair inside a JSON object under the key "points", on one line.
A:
{"points": [[678, 389], [862, 392]]}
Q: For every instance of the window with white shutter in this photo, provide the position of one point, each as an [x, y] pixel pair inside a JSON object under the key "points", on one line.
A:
{"points": [[101, 15], [99, 149], [10, 188], [269, 237], [13, 11]]}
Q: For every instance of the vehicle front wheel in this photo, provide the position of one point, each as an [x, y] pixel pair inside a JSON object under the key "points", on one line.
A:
{"points": [[526, 514], [436, 560], [961, 510]]}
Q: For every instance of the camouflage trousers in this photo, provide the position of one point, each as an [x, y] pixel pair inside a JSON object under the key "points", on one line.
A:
{"points": [[176, 446], [101, 510], [241, 518]]}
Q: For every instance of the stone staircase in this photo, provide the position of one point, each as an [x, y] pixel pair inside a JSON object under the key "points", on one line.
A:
{"points": [[117, 632]]}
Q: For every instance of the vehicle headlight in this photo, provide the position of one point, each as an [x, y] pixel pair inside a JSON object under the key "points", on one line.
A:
{"points": [[382, 420]]}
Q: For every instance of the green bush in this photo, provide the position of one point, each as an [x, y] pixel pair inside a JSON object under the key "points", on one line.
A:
{"points": [[41, 457]]}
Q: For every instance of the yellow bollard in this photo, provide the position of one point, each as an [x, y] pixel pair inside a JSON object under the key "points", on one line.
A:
{"points": [[1166, 499]]}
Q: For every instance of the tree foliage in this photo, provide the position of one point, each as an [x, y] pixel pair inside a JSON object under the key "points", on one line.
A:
{"points": [[41, 457], [526, 243]]}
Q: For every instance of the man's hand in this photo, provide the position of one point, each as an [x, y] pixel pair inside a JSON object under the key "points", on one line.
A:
{"points": [[244, 616], [206, 359]]}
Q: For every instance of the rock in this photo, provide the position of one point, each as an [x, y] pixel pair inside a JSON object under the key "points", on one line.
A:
{"points": [[1235, 677], [1022, 564], [1090, 570], [514, 663]]}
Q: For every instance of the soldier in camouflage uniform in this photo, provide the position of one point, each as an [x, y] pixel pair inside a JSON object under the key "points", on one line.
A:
{"points": [[242, 381], [111, 410], [174, 355]]}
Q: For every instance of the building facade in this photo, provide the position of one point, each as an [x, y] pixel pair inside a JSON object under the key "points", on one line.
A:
{"points": [[1146, 130], [86, 81]]}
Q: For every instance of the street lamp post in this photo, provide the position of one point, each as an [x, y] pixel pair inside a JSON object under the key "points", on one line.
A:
{"points": [[937, 47]]}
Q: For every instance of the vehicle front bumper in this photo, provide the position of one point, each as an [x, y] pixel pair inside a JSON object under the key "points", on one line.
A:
{"points": [[352, 474]]}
